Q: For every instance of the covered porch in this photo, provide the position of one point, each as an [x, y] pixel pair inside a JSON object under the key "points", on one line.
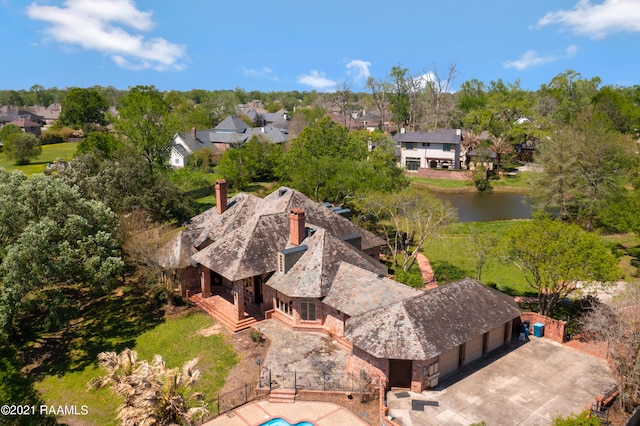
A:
{"points": [[237, 305]]}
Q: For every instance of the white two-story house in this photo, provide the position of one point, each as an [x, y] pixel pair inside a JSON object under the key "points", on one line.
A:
{"points": [[430, 150]]}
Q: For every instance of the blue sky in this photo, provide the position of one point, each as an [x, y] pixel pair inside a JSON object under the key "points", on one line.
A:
{"points": [[312, 44]]}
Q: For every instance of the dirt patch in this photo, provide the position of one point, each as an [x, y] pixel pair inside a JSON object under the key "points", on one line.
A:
{"points": [[210, 331], [247, 370]]}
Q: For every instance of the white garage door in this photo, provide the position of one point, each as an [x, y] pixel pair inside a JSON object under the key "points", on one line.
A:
{"points": [[448, 361], [473, 349], [496, 338]]}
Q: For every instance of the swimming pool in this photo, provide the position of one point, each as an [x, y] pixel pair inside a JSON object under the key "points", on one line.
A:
{"points": [[282, 422]]}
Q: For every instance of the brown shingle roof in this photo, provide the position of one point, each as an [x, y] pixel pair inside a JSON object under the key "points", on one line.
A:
{"points": [[314, 274], [356, 290], [425, 326]]}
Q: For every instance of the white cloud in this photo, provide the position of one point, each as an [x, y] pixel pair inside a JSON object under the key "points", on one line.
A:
{"points": [[598, 20], [359, 70], [531, 58], [262, 72], [98, 25], [317, 80]]}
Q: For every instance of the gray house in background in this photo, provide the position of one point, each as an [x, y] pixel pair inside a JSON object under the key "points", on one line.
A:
{"points": [[430, 150], [232, 132]]}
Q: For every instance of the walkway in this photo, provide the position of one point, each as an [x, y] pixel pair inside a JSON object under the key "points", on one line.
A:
{"points": [[428, 276], [318, 413]]}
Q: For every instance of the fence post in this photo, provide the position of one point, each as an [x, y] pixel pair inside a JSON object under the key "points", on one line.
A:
{"points": [[295, 381], [269, 380], [246, 394], [219, 404], [324, 381]]}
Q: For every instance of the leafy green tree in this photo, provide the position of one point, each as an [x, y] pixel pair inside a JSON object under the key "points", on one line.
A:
{"points": [[22, 147], [585, 166], [82, 106], [583, 419], [153, 393], [8, 129], [621, 106], [554, 257], [103, 142], [399, 97], [572, 93], [126, 184], [471, 96], [236, 168], [51, 237], [146, 123]]}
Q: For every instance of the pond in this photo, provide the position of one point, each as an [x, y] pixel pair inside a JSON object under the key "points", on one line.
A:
{"points": [[478, 207]]}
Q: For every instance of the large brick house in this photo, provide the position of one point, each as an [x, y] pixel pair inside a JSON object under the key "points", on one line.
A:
{"points": [[290, 258]]}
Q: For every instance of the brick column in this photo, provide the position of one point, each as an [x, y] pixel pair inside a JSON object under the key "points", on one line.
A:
{"points": [[205, 281]]}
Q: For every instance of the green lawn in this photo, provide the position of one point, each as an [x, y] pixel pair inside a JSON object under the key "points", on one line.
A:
{"points": [[50, 153], [452, 258], [176, 339], [441, 184]]}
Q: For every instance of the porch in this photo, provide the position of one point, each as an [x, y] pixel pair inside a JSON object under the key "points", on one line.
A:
{"points": [[225, 308]]}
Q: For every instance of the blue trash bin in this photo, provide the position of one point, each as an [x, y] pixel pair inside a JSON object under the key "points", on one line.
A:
{"points": [[538, 329]]}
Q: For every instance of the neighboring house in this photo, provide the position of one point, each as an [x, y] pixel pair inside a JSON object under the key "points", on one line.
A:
{"points": [[290, 258], [231, 132], [430, 150], [49, 114], [28, 126]]}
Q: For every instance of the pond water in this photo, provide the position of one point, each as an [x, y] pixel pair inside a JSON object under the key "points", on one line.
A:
{"points": [[477, 207]]}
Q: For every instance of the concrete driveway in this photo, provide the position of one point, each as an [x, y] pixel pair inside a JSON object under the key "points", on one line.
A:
{"points": [[530, 384]]}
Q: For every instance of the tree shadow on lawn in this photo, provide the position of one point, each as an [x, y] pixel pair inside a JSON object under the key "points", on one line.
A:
{"points": [[107, 323], [446, 272]]}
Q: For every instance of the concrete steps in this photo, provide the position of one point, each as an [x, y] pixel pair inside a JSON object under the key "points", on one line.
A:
{"points": [[287, 396]]}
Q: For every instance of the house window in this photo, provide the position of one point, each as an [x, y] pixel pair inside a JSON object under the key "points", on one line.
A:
{"points": [[446, 147], [284, 304], [409, 145], [412, 164], [307, 309]]}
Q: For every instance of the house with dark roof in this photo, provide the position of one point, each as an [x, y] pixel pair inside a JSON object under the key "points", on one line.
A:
{"points": [[306, 265], [433, 150], [231, 132]]}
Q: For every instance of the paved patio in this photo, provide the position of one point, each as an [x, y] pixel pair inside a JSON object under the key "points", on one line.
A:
{"points": [[529, 385], [318, 413], [309, 354]]}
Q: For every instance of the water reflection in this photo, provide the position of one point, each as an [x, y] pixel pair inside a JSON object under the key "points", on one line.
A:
{"points": [[476, 207]]}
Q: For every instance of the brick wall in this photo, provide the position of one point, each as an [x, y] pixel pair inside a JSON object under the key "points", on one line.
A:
{"points": [[444, 174], [553, 329], [376, 368]]}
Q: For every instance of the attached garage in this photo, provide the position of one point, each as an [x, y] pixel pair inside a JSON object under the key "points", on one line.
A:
{"points": [[496, 338], [449, 361], [473, 349]]}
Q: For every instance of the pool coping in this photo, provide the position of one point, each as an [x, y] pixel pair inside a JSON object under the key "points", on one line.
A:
{"points": [[317, 413]]}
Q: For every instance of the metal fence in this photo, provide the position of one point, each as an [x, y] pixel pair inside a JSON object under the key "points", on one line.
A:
{"points": [[317, 381], [236, 397]]}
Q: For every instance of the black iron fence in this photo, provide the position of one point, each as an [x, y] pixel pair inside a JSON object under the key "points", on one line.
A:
{"points": [[318, 381], [236, 397]]}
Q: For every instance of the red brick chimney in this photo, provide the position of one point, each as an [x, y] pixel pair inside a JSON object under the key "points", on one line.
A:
{"points": [[221, 195], [296, 226]]}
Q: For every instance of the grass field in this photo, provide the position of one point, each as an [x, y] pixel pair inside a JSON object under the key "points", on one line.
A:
{"points": [[452, 257], [508, 183], [126, 318], [50, 153]]}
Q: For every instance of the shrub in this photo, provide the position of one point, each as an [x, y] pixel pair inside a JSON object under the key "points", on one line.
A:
{"points": [[256, 336], [51, 137]]}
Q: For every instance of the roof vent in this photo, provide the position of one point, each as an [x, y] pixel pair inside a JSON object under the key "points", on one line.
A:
{"points": [[380, 276], [282, 191]]}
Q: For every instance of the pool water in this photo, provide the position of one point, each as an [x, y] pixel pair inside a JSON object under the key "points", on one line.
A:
{"points": [[282, 422]]}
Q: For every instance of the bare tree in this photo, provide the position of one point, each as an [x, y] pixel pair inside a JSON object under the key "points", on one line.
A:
{"points": [[406, 220], [618, 324], [153, 393], [341, 98], [380, 93], [440, 98]]}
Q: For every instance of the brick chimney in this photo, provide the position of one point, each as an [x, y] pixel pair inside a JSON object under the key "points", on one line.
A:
{"points": [[221, 195], [296, 226], [193, 132]]}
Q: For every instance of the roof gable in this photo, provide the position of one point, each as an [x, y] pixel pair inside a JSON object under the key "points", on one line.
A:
{"points": [[232, 124]]}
